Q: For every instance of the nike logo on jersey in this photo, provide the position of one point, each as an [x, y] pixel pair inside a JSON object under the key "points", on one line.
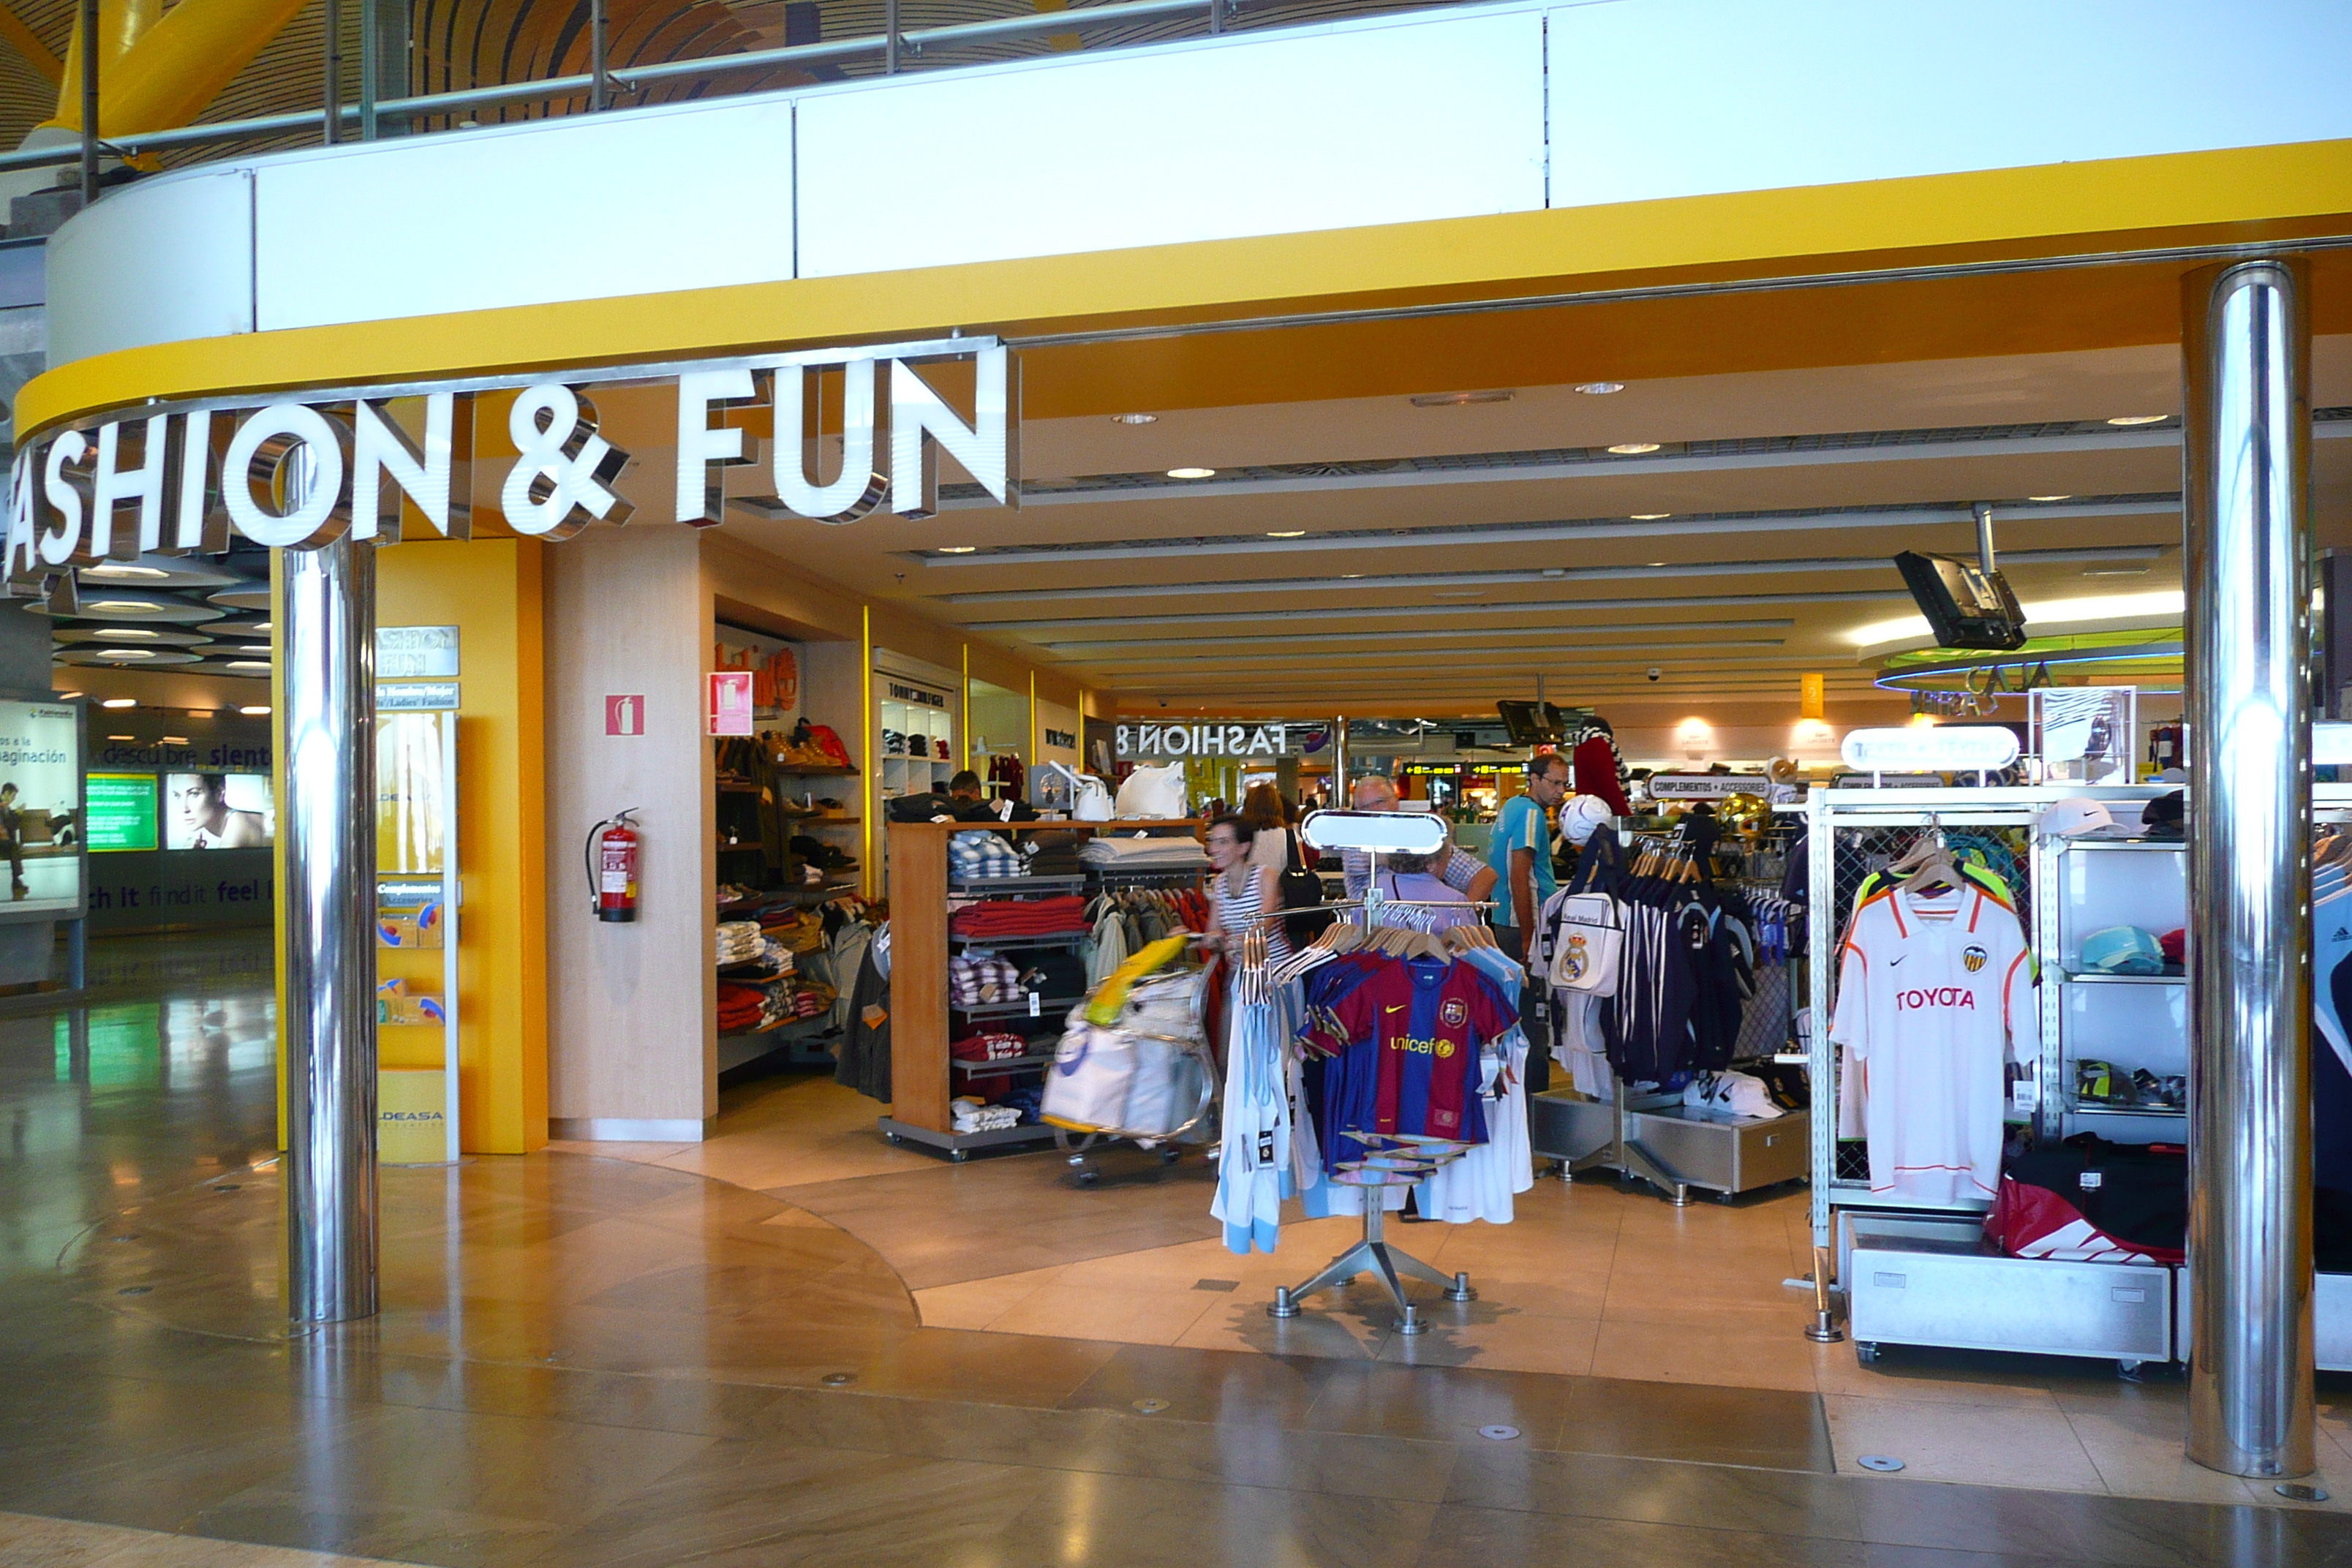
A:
{"points": [[1398, 1008], [1893, 961], [1958, 997], [2341, 935]]}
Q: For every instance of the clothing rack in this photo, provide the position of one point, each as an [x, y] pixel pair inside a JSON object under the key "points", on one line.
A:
{"points": [[1171, 877], [1374, 1254]]}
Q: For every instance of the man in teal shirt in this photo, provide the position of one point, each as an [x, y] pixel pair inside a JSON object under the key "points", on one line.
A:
{"points": [[1521, 856], [1520, 852]]}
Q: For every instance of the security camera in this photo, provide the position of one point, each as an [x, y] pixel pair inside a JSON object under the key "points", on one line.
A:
{"points": [[1163, 702], [1653, 672]]}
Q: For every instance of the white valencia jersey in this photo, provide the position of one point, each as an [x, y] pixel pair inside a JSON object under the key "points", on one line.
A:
{"points": [[1935, 994]]}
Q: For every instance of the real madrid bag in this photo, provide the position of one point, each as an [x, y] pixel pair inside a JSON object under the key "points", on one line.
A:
{"points": [[1591, 940]]}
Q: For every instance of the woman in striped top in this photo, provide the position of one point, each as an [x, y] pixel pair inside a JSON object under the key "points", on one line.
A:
{"points": [[1239, 892]]}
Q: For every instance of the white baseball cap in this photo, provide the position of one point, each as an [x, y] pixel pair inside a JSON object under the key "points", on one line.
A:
{"points": [[2078, 818]]}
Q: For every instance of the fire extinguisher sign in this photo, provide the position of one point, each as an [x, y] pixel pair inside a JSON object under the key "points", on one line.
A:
{"points": [[730, 709], [625, 715]]}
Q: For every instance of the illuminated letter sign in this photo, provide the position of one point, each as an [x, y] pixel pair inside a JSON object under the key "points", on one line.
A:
{"points": [[298, 470]]}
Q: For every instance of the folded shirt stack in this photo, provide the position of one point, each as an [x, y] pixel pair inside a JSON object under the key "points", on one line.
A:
{"points": [[971, 856], [992, 1046], [974, 981], [1021, 917], [1140, 854], [796, 930], [742, 1008], [1056, 859], [739, 941], [973, 1116]]}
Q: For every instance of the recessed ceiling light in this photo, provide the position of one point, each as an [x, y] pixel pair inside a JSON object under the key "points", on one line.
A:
{"points": [[1651, 516], [1633, 448], [124, 653], [259, 626], [121, 569], [1287, 533], [1135, 419], [958, 549], [1458, 399], [2138, 418], [1599, 388], [127, 632], [1349, 576], [122, 737], [256, 710], [121, 605], [120, 703], [175, 740], [200, 712], [1191, 473], [1654, 564], [253, 648], [2050, 498], [249, 664]]}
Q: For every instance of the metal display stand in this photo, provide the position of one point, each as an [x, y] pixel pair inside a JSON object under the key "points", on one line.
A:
{"points": [[1402, 1163], [1964, 1298]]}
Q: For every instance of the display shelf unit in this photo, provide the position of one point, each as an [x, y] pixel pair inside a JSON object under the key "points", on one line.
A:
{"points": [[987, 885], [1915, 1273], [2129, 1021], [924, 1078], [1014, 944]]}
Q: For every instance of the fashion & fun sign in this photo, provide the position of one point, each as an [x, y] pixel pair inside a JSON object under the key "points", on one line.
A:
{"points": [[306, 469]]}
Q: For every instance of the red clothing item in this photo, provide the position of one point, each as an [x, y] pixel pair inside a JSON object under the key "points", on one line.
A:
{"points": [[1594, 764], [1428, 1019], [1024, 917]]}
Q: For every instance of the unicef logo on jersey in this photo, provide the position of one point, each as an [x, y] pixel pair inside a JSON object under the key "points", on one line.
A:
{"points": [[1973, 959]]}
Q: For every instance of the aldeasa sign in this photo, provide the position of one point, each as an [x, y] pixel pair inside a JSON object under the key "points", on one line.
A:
{"points": [[305, 468]]}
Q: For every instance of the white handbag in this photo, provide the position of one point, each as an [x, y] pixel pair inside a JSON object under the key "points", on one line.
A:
{"points": [[1591, 943], [1152, 794]]}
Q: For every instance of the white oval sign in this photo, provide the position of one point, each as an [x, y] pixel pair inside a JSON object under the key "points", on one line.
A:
{"points": [[1386, 832], [1946, 748]]}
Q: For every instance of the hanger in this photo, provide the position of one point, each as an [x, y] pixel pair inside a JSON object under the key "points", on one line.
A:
{"points": [[1929, 863]]}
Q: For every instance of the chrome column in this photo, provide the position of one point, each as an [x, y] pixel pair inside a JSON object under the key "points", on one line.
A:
{"points": [[2245, 502], [326, 639]]}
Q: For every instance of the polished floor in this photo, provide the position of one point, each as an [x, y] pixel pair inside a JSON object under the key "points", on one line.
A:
{"points": [[600, 1360]]}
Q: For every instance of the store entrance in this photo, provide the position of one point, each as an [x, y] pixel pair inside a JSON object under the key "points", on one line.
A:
{"points": [[1655, 603]]}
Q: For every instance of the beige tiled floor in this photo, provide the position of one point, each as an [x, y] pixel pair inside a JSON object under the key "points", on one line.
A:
{"points": [[1593, 1280], [28, 1541]]}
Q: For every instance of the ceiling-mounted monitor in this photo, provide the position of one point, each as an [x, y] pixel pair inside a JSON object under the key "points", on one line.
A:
{"points": [[1965, 606], [1530, 723]]}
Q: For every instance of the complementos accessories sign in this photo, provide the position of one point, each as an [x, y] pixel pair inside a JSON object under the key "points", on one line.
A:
{"points": [[305, 468]]}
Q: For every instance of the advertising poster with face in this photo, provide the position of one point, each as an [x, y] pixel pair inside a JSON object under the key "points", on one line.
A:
{"points": [[218, 811], [40, 805]]}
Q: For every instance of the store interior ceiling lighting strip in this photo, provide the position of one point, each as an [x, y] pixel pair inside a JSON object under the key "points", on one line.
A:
{"points": [[1527, 575], [1616, 526]]}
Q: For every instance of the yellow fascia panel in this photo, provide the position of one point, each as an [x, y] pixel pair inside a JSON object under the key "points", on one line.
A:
{"points": [[2238, 195]]}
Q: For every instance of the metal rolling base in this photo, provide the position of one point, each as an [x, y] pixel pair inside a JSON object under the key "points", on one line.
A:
{"points": [[1374, 1255]]}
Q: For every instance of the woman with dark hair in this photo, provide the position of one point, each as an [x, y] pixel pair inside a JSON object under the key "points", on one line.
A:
{"points": [[1269, 845], [1239, 891]]}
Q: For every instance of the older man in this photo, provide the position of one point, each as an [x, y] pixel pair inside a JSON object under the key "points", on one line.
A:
{"points": [[1449, 865]]}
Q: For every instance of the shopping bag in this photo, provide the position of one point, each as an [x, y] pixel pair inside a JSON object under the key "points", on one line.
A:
{"points": [[1591, 940], [1086, 1087]]}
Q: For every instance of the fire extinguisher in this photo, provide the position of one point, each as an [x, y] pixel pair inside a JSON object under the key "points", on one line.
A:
{"points": [[612, 855]]}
